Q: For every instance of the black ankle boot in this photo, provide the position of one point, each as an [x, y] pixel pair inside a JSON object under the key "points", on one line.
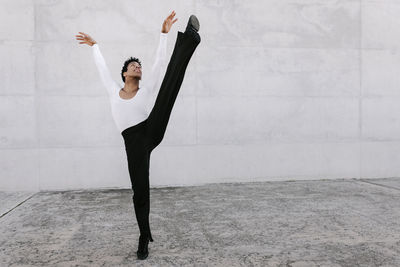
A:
{"points": [[193, 24], [143, 250], [192, 28]]}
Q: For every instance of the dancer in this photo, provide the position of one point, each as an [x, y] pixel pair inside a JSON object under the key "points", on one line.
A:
{"points": [[142, 130]]}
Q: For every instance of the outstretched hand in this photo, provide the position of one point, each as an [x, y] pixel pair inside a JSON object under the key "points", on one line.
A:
{"points": [[168, 22], [85, 38]]}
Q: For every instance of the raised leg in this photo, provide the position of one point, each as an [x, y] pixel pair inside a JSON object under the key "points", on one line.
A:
{"points": [[159, 116]]}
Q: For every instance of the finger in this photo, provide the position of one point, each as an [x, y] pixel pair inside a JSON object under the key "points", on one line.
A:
{"points": [[82, 42], [174, 21]]}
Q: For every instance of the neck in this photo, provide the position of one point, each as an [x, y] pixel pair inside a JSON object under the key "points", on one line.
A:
{"points": [[131, 85]]}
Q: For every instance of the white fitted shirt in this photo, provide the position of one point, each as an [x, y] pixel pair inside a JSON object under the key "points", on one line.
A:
{"points": [[129, 112]]}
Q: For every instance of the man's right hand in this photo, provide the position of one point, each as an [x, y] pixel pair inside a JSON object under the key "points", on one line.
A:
{"points": [[85, 38]]}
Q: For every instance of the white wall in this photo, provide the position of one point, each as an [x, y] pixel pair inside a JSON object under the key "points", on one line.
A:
{"points": [[277, 90]]}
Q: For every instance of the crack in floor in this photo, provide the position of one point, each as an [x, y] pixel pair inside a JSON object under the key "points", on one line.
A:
{"points": [[382, 185], [19, 204]]}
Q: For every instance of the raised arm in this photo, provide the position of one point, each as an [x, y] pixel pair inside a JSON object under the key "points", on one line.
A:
{"points": [[161, 55], [101, 65], [160, 60]]}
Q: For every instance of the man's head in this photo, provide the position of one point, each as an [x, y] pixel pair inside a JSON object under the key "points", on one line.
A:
{"points": [[132, 67]]}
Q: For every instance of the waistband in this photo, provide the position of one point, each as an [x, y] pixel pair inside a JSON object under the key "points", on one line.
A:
{"points": [[137, 127]]}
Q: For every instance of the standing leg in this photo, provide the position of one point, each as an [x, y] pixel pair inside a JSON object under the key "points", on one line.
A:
{"points": [[138, 166], [159, 116]]}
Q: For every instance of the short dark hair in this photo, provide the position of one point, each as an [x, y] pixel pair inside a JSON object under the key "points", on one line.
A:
{"points": [[125, 67]]}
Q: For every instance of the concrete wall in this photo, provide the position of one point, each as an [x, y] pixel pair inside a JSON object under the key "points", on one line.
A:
{"points": [[277, 90]]}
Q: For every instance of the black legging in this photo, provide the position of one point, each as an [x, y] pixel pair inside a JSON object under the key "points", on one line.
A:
{"points": [[143, 137]]}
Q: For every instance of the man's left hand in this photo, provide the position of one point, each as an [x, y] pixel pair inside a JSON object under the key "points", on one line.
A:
{"points": [[168, 22]]}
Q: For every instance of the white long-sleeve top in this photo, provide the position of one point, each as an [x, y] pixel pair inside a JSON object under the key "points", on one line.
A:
{"points": [[129, 112]]}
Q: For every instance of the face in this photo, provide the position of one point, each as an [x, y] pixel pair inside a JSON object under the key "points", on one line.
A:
{"points": [[134, 70]]}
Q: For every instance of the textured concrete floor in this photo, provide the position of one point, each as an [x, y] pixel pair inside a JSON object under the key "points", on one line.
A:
{"points": [[302, 223]]}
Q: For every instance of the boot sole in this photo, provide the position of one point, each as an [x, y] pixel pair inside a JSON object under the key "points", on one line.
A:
{"points": [[194, 22]]}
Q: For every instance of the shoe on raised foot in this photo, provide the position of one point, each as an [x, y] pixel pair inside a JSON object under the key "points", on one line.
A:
{"points": [[193, 24], [143, 250]]}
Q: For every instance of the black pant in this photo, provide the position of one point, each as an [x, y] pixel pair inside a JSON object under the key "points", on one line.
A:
{"points": [[143, 137]]}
